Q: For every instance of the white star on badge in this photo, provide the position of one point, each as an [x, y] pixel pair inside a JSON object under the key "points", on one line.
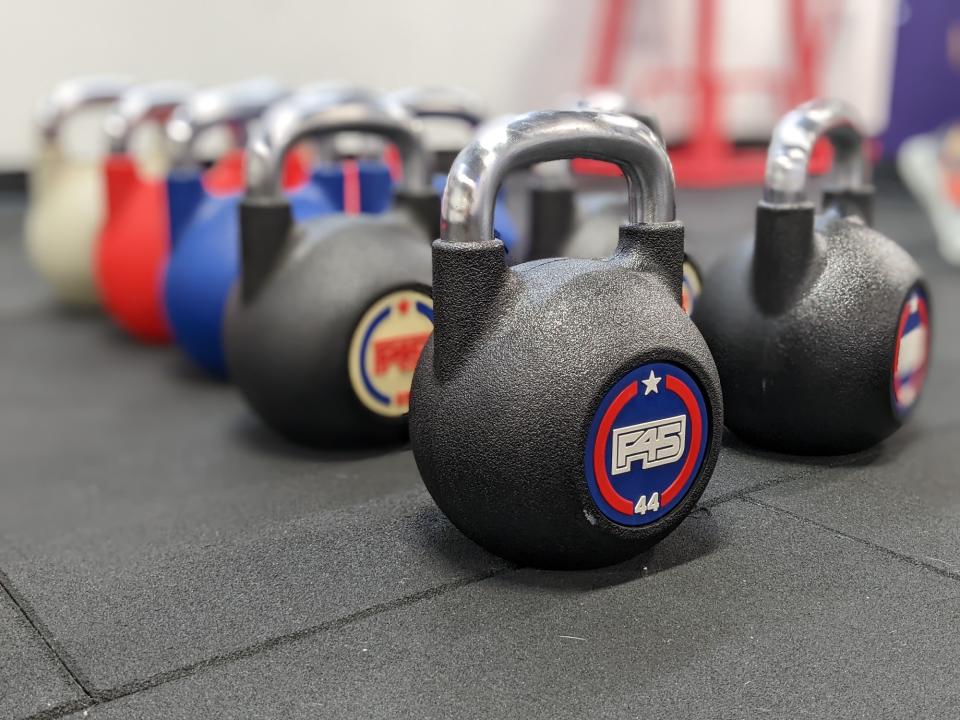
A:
{"points": [[651, 384], [914, 303]]}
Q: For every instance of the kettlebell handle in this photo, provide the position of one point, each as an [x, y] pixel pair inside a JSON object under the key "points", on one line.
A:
{"points": [[788, 157], [505, 145], [234, 105], [325, 150], [441, 102], [611, 101], [324, 113], [71, 96], [140, 104]]}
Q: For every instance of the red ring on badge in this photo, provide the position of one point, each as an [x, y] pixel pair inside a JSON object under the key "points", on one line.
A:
{"points": [[609, 493]]}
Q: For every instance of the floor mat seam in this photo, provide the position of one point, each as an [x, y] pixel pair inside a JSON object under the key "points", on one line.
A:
{"points": [[29, 614], [903, 557], [102, 697]]}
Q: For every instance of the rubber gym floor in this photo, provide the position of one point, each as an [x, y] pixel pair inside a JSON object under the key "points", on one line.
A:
{"points": [[164, 556]]}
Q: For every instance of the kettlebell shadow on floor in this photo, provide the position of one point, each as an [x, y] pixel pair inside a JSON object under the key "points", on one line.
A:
{"points": [[733, 443], [697, 537], [184, 370], [248, 430], [433, 534]]}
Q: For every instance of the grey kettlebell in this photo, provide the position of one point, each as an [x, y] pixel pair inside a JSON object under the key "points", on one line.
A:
{"points": [[566, 412], [323, 331], [820, 325]]}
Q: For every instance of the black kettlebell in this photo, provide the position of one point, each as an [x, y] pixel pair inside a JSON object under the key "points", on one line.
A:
{"points": [[821, 325], [325, 328], [566, 412]]}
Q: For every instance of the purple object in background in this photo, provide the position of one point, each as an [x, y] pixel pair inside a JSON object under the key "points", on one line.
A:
{"points": [[926, 77]]}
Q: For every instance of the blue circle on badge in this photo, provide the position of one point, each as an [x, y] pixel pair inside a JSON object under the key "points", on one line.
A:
{"points": [[646, 444]]}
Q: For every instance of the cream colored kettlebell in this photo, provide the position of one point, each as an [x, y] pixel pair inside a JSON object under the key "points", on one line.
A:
{"points": [[67, 198]]}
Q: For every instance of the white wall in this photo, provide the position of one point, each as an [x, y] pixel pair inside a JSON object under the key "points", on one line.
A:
{"points": [[494, 47], [517, 54]]}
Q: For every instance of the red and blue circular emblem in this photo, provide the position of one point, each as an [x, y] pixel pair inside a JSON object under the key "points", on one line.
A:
{"points": [[646, 444], [911, 352], [691, 288], [385, 348]]}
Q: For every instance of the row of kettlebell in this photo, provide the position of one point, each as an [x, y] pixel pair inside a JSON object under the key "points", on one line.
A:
{"points": [[161, 253], [567, 412]]}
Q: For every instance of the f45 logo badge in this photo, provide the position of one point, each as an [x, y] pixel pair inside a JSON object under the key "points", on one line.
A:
{"points": [[385, 348], [646, 444], [911, 352]]}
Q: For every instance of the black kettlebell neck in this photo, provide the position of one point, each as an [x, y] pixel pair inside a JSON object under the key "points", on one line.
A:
{"points": [[847, 203], [265, 228], [788, 254], [443, 159], [423, 207], [552, 215], [467, 280], [655, 249]]}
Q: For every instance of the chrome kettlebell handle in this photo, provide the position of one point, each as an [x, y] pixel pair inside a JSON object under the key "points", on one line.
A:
{"points": [[236, 105], [788, 157], [499, 147], [612, 101], [72, 95], [326, 150], [441, 102], [322, 112], [140, 104]]}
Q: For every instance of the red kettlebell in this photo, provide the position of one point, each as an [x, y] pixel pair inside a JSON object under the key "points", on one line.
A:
{"points": [[135, 240]]}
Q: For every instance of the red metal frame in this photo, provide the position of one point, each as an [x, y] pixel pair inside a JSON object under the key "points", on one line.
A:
{"points": [[709, 158]]}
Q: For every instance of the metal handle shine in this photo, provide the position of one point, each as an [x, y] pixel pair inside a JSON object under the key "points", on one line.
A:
{"points": [[236, 104], [71, 96], [441, 102], [480, 168], [140, 104], [791, 146], [323, 112], [612, 101]]}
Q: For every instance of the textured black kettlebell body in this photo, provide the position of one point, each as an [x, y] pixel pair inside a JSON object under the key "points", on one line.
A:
{"points": [[566, 412], [805, 322], [324, 330], [820, 324], [289, 345]]}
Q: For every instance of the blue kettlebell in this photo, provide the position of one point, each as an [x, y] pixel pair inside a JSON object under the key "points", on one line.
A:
{"points": [[458, 104], [205, 258]]}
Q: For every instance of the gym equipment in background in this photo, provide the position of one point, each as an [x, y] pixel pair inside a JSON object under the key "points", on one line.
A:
{"points": [[67, 200], [350, 169], [204, 228], [326, 324], [134, 243], [820, 326], [562, 226], [566, 413], [457, 104], [648, 67]]}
